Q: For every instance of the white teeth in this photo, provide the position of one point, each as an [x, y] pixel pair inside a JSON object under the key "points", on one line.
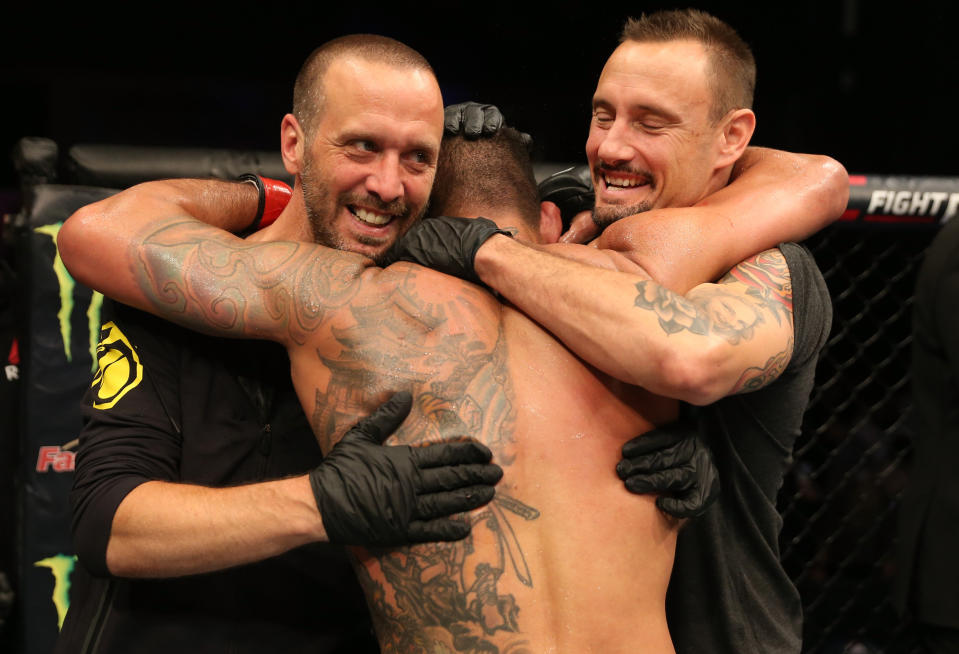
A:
{"points": [[370, 217], [617, 182]]}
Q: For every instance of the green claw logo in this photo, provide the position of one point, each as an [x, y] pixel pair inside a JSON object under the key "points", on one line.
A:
{"points": [[61, 566], [67, 285]]}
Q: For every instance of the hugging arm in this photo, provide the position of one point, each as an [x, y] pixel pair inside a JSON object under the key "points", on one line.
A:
{"points": [[145, 250], [774, 197]]}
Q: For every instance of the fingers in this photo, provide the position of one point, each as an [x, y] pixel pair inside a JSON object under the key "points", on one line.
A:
{"points": [[447, 503], [446, 529], [474, 120], [453, 118], [448, 454], [666, 481], [680, 508], [492, 120], [651, 441], [451, 477], [385, 419]]}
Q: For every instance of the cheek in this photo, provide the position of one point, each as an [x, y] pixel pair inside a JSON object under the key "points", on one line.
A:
{"points": [[418, 189], [593, 142]]}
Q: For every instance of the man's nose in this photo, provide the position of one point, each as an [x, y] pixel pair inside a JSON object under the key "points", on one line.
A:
{"points": [[386, 181], [615, 147]]}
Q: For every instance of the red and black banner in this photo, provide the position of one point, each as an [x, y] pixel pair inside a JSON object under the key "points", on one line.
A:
{"points": [[876, 200]]}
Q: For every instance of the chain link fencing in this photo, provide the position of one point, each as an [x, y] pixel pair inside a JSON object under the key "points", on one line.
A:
{"points": [[839, 501]]}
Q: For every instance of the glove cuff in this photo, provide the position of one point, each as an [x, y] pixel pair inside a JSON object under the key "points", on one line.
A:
{"points": [[272, 197]]}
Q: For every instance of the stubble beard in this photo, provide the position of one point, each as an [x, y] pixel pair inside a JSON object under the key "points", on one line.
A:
{"points": [[606, 216], [320, 213]]}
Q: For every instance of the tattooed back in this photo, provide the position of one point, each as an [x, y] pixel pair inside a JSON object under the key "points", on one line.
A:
{"points": [[564, 559]]}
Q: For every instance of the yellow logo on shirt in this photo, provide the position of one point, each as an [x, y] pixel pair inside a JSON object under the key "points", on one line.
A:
{"points": [[118, 367]]}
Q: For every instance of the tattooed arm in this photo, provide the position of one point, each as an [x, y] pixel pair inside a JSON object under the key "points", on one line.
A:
{"points": [[718, 339], [143, 250]]}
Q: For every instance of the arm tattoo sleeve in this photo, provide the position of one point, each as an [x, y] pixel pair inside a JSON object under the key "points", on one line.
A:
{"points": [[193, 276]]}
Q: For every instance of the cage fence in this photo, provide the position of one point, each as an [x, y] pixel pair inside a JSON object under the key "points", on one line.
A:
{"points": [[851, 463]]}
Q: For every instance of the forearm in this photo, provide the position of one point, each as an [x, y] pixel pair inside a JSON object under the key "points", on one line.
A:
{"points": [[775, 197], [165, 529], [593, 312], [228, 205]]}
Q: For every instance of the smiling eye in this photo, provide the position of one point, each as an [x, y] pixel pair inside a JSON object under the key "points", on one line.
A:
{"points": [[364, 145], [602, 118]]}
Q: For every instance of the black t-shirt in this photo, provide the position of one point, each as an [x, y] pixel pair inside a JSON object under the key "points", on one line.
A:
{"points": [[172, 405], [729, 593]]}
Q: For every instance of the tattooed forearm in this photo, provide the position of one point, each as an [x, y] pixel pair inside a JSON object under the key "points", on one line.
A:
{"points": [[713, 309], [213, 283]]}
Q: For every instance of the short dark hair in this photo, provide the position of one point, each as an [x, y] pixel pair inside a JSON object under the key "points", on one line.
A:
{"points": [[485, 173], [731, 72], [308, 89]]}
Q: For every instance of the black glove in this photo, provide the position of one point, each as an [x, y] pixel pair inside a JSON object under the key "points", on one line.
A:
{"points": [[445, 244], [674, 462], [472, 119], [372, 494], [571, 190]]}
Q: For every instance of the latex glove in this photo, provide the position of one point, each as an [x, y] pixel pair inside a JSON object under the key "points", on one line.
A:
{"points": [[372, 494], [445, 244], [673, 462]]}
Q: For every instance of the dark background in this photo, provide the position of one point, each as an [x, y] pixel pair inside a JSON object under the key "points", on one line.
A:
{"points": [[870, 83]]}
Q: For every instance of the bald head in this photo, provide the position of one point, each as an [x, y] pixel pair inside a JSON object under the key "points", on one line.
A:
{"points": [[309, 91]]}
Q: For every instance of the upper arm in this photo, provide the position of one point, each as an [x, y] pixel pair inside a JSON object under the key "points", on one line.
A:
{"points": [[746, 320], [775, 197], [127, 437], [144, 251]]}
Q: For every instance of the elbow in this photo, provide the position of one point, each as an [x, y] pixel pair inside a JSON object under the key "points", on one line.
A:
{"points": [[76, 242], [833, 187], [694, 377]]}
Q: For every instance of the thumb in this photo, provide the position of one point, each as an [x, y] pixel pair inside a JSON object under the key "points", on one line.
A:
{"points": [[385, 419]]}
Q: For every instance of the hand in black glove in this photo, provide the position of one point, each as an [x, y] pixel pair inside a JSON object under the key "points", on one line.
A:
{"points": [[445, 244], [472, 119], [675, 463], [571, 190], [372, 494]]}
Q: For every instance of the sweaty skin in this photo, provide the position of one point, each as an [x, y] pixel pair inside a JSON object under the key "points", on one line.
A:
{"points": [[528, 578]]}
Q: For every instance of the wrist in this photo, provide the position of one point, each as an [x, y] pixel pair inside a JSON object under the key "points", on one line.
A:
{"points": [[272, 197], [490, 255]]}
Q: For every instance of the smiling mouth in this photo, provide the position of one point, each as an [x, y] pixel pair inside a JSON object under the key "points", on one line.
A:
{"points": [[614, 181], [370, 217]]}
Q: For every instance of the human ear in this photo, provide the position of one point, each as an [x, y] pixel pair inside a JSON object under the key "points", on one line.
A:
{"points": [[737, 129], [292, 144], [550, 222]]}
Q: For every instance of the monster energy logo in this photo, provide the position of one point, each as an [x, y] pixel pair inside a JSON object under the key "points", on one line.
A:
{"points": [[61, 566], [67, 286]]}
